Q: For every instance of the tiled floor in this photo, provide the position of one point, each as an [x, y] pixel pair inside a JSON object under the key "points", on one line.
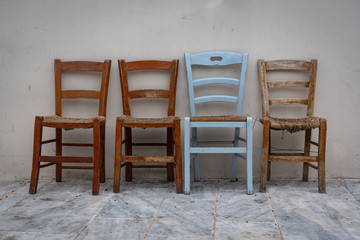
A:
{"points": [[150, 209]]}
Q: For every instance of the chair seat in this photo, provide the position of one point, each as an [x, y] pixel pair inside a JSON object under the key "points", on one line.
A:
{"points": [[223, 118], [57, 121], [293, 124], [129, 121]]}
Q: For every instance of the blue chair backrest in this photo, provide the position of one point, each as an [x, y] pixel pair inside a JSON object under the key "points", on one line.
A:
{"points": [[216, 59]]}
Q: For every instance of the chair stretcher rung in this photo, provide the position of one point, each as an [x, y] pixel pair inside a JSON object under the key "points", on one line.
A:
{"points": [[77, 144], [48, 141], [218, 150], [292, 158], [77, 167], [148, 159], [313, 166], [149, 166], [218, 124], [314, 143], [59, 159], [47, 165], [215, 142]]}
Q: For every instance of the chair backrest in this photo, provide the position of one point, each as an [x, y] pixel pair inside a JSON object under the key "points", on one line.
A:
{"points": [[103, 67], [216, 59], [288, 65], [148, 65]]}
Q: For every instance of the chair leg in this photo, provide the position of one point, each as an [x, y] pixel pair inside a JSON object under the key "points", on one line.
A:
{"points": [[268, 174], [58, 174], [306, 153], [196, 156], [187, 155], [265, 155], [36, 155], [322, 148], [128, 152], [96, 157], [170, 152], [178, 158], [234, 157], [118, 146], [249, 140], [102, 154]]}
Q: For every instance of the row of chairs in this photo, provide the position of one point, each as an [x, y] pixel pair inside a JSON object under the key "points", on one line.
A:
{"points": [[240, 146]]}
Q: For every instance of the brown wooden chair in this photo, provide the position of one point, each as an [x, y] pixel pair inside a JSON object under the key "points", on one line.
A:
{"points": [[290, 124], [128, 122], [59, 123]]}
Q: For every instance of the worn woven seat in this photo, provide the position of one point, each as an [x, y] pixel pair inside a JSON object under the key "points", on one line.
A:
{"points": [[293, 124], [58, 119], [128, 119], [224, 118]]}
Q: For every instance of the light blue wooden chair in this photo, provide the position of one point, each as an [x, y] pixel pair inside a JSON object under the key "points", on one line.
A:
{"points": [[192, 146]]}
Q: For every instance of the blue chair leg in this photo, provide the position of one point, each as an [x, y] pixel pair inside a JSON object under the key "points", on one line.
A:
{"points": [[187, 155], [249, 142], [234, 157], [196, 156]]}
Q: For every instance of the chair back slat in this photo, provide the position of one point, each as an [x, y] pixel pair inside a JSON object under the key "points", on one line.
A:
{"points": [[215, 59], [149, 93], [61, 66], [278, 101], [69, 94], [148, 65], [288, 84], [288, 65], [216, 80]]}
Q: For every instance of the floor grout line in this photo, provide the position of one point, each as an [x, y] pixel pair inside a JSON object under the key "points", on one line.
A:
{"points": [[274, 215], [215, 208], [93, 217], [347, 190], [157, 211]]}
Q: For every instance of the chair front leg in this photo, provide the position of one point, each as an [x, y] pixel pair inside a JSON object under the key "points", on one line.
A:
{"points": [[118, 148], [234, 157], [36, 155], [96, 157], [178, 158], [322, 149], [265, 155], [249, 141], [187, 155], [170, 152], [102, 155]]}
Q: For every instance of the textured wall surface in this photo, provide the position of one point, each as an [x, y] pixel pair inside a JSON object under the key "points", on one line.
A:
{"points": [[34, 33]]}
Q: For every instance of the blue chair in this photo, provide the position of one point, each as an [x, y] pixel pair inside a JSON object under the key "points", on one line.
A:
{"points": [[192, 146]]}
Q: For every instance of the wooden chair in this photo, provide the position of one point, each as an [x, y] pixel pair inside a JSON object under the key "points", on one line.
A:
{"points": [[59, 123], [194, 147], [290, 124], [172, 123]]}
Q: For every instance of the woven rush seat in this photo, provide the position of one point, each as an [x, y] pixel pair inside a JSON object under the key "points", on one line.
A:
{"points": [[293, 124], [131, 120], [230, 118], [58, 119]]}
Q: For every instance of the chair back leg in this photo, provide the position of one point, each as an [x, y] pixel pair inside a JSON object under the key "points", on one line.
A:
{"points": [[58, 168], [178, 158], [196, 156], [265, 156], [234, 157], [170, 152]]}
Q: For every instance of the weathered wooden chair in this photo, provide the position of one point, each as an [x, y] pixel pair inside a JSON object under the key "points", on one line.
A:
{"points": [[59, 123], [292, 124], [172, 123], [192, 144]]}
